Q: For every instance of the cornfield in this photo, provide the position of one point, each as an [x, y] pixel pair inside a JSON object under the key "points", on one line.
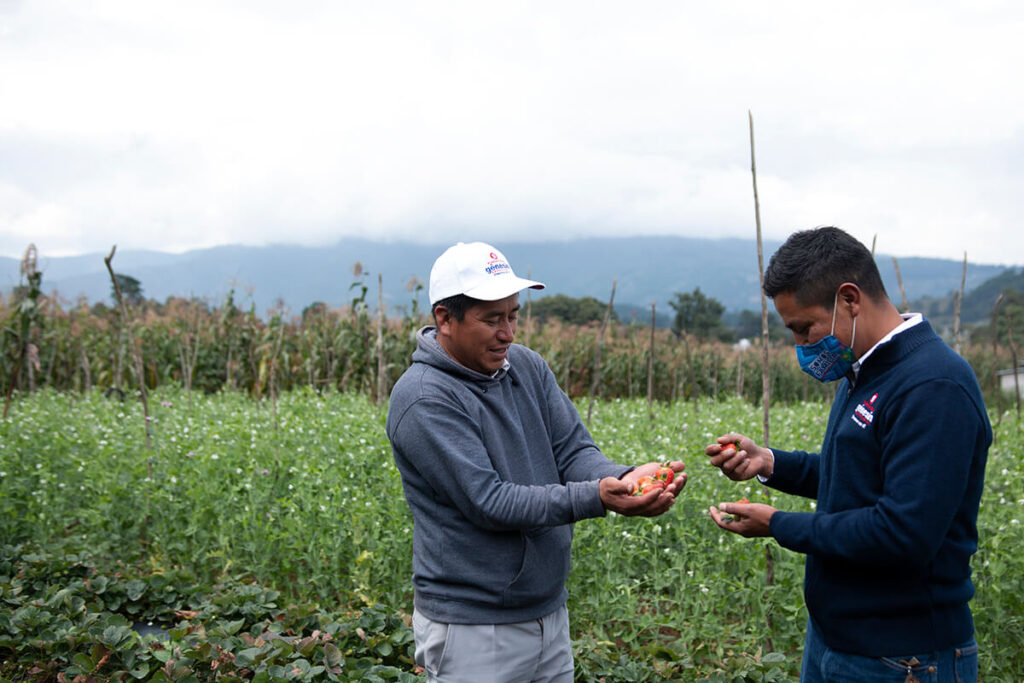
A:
{"points": [[189, 343]]}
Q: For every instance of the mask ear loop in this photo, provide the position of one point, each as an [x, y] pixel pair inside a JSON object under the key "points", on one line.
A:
{"points": [[835, 306]]}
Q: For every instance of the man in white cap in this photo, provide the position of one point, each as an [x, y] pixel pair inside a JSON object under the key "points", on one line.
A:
{"points": [[497, 466]]}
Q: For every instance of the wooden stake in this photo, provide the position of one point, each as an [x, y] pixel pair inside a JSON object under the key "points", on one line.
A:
{"points": [[765, 388], [958, 306], [381, 321], [765, 391], [995, 360], [899, 280], [1013, 356], [529, 307], [596, 382], [650, 370], [136, 352]]}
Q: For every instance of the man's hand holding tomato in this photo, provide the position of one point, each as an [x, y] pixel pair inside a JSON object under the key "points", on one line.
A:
{"points": [[617, 494], [739, 457]]}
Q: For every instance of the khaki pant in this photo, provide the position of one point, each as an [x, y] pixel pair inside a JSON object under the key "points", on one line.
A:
{"points": [[536, 651]]}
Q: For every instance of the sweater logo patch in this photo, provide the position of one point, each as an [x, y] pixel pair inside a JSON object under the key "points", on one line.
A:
{"points": [[864, 413]]}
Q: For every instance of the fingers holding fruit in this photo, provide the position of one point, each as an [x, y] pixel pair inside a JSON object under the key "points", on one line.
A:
{"points": [[743, 517], [738, 457]]}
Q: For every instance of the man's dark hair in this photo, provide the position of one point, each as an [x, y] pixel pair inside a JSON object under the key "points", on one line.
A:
{"points": [[813, 263], [457, 305]]}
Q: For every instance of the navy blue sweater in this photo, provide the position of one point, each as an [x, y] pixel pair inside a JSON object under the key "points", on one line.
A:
{"points": [[898, 482]]}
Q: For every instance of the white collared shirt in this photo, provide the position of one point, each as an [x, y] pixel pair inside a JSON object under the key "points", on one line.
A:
{"points": [[909, 320]]}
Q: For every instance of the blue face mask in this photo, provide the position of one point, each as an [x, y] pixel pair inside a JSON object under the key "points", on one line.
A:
{"points": [[828, 359]]}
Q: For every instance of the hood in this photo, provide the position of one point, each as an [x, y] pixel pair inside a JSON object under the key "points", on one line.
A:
{"points": [[429, 351]]}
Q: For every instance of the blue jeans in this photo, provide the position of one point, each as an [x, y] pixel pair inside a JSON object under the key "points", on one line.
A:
{"points": [[824, 665]]}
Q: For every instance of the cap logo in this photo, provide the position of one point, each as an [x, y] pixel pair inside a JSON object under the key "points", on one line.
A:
{"points": [[497, 266]]}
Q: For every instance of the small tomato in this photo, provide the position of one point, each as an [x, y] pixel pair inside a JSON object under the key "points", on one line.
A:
{"points": [[731, 446], [665, 474], [646, 484]]}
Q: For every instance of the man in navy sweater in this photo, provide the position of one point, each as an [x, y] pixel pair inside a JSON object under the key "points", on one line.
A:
{"points": [[897, 482]]}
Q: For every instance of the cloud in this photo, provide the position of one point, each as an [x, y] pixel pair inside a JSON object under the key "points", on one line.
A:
{"points": [[189, 125]]}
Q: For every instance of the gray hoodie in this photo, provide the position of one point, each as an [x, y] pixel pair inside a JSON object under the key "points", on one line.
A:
{"points": [[495, 471]]}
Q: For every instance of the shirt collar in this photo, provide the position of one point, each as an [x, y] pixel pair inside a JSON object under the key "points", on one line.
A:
{"points": [[909, 320], [505, 365]]}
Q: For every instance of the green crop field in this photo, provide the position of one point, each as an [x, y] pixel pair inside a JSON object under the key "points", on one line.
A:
{"points": [[269, 540]]}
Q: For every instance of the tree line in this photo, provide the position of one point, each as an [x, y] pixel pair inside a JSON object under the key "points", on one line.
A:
{"points": [[227, 347]]}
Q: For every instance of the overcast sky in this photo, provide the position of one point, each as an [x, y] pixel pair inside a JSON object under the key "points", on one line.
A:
{"points": [[186, 124]]}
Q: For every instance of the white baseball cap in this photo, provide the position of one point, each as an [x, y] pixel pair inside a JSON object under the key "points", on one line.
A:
{"points": [[477, 270]]}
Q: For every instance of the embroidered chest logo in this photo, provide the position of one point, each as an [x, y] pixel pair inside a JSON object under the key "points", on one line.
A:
{"points": [[864, 413]]}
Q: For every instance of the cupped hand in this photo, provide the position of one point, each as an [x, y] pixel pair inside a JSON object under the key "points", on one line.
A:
{"points": [[617, 496]]}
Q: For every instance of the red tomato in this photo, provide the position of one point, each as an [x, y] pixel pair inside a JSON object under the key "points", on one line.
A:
{"points": [[731, 446], [646, 484], [665, 474]]}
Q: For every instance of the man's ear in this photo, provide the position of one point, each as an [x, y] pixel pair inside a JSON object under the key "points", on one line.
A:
{"points": [[443, 319], [850, 297]]}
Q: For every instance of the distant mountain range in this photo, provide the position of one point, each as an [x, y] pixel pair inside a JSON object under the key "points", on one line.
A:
{"points": [[646, 269]]}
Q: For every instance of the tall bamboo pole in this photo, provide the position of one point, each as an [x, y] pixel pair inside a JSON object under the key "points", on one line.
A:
{"points": [[381, 322], [529, 311], [1007, 312], [958, 306], [765, 388], [136, 353], [596, 382], [899, 281], [650, 370], [995, 359]]}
